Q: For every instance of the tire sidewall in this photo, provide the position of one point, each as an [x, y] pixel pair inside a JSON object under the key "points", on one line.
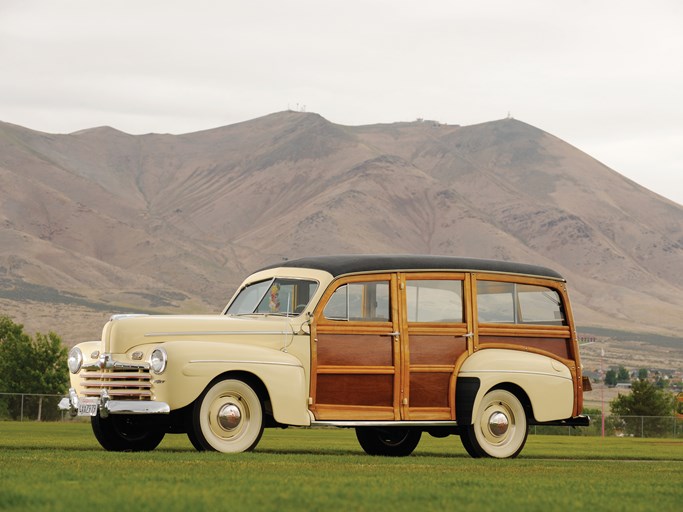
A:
{"points": [[508, 445], [209, 434], [373, 443], [114, 434]]}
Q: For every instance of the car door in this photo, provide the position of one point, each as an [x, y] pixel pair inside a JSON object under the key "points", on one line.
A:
{"points": [[437, 337], [355, 350]]}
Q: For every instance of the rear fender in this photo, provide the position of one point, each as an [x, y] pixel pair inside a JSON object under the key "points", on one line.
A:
{"points": [[546, 382]]}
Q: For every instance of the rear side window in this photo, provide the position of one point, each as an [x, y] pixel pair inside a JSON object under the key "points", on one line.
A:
{"points": [[516, 303]]}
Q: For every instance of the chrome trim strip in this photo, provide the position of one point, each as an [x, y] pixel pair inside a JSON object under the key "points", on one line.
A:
{"points": [[212, 333], [116, 365], [394, 423], [105, 362], [526, 372], [242, 361], [126, 315]]}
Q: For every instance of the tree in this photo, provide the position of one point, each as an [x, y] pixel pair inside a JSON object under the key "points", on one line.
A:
{"points": [[622, 375], [645, 399], [611, 378], [31, 366], [642, 374]]}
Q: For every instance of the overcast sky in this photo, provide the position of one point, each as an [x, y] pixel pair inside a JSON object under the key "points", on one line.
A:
{"points": [[605, 76]]}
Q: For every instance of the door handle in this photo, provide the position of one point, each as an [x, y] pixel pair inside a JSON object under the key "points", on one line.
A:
{"points": [[394, 334], [468, 335]]}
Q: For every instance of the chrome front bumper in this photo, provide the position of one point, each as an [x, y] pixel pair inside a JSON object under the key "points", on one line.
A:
{"points": [[106, 406]]}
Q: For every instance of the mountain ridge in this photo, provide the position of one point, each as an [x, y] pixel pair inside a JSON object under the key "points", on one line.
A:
{"points": [[161, 222]]}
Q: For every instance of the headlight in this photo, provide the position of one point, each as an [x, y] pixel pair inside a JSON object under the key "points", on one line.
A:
{"points": [[75, 360], [157, 361]]}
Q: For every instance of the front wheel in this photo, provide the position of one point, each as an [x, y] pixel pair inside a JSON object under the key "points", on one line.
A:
{"points": [[390, 441], [227, 417], [127, 433], [499, 429]]}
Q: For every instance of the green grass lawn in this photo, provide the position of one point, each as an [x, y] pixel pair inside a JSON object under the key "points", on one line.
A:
{"points": [[60, 466]]}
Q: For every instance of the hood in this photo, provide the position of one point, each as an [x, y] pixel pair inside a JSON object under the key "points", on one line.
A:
{"points": [[123, 332]]}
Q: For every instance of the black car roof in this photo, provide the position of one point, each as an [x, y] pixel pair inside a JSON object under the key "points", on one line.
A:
{"points": [[355, 263]]}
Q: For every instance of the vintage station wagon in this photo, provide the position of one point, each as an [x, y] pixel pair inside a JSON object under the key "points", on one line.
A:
{"points": [[391, 345]]}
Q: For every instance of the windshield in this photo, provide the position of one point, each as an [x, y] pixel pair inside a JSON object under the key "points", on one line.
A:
{"points": [[277, 296]]}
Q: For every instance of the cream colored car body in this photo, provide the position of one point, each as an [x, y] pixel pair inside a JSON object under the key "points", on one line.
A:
{"points": [[277, 351], [273, 348]]}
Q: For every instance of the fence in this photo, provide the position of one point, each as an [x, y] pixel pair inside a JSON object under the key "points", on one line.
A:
{"points": [[622, 426], [31, 407]]}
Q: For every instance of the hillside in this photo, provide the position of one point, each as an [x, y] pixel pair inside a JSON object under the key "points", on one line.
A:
{"points": [[100, 221]]}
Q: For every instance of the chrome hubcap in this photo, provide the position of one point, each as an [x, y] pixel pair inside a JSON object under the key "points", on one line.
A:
{"points": [[498, 424], [229, 416]]}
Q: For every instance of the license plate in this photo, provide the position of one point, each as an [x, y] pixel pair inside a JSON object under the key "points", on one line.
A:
{"points": [[87, 409]]}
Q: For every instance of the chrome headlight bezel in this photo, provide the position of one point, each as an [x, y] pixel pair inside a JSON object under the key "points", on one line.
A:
{"points": [[75, 360], [157, 361]]}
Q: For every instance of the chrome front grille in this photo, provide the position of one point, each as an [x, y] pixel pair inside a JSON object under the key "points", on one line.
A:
{"points": [[120, 384]]}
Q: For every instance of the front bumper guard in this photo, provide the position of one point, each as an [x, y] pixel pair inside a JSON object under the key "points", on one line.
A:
{"points": [[107, 406]]}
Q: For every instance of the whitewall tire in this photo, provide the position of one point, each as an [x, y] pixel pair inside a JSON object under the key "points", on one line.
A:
{"points": [[500, 427], [228, 417]]}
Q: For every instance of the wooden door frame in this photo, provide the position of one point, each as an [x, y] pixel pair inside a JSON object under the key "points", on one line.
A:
{"points": [[321, 326], [464, 329]]}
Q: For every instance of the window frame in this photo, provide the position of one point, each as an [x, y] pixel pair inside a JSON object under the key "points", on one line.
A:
{"points": [[327, 299], [270, 281], [436, 276], [517, 314]]}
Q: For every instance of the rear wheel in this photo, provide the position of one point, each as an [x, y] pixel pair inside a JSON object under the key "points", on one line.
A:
{"points": [[127, 432], [500, 427], [227, 417], [389, 441]]}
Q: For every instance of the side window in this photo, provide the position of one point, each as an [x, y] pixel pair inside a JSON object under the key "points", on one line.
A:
{"points": [[273, 296], [515, 303], [364, 302], [432, 300], [287, 296], [495, 302], [540, 305]]}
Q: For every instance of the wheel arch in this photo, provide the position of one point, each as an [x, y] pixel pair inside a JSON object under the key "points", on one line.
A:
{"points": [[521, 395], [253, 380], [250, 378], [469, 394]]}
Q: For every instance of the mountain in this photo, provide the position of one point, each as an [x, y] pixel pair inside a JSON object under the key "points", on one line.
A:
{"points": [[100, 221]]}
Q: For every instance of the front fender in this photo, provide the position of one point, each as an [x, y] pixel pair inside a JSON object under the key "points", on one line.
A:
{"points": [[192, 365], [547, 382], [88, 349]]}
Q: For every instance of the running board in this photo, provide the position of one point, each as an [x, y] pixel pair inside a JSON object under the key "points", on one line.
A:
{"points": [[394, 423]]}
